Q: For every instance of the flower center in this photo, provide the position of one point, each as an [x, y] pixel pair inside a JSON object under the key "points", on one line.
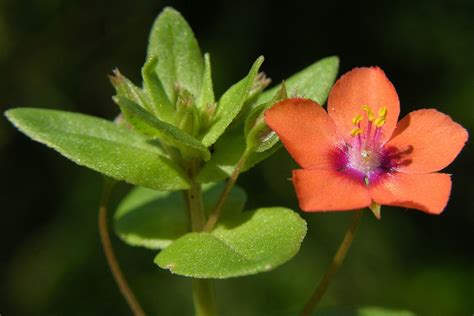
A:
{"points": [[364, 154]]}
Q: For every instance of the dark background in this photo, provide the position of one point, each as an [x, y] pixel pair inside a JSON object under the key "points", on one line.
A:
{"points": [[57, 54]]}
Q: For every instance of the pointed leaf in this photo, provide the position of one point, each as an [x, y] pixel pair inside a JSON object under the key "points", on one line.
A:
{"points": [[313, 82], [179, 57], [247, 243], [160, 105], [153, 219], [206, 96], [154, 127], [102, 146], [125, 88], [230, 104]]}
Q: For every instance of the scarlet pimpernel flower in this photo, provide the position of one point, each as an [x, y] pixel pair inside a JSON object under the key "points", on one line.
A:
{"points": [[356, 155]]}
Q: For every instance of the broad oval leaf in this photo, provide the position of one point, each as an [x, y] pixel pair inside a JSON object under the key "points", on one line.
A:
{"points": [[247, 243], [179, 58], [149, 125], [153, 219], [230, 105], [313, 82], [102, 146], [227, 152]]}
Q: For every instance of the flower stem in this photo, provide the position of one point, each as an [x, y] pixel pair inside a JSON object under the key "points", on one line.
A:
{"points": [[109, 253], [334, 266], [216, 211]]}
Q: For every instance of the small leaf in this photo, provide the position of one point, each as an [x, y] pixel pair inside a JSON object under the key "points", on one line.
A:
{"points": [[206, 97], [313, 82], [161, 105], [187, 116], [227, 152], [230, 104], [179, 58], [151, 126], [247, 243], [125, 88], [153, 219], [259, 84], [259, 136], [102, 146]]}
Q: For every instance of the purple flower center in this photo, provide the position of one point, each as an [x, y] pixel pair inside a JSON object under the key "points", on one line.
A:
{"points": [[365, 158]]}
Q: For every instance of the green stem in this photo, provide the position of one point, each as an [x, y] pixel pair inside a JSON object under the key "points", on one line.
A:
{"points": [[109, 253], [196, 211], [216, 211], [204, 297], [203, 289], [334, 266]]}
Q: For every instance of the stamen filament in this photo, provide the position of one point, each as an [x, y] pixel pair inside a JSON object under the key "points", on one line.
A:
{"points": [[369, 130], [376, 136]]}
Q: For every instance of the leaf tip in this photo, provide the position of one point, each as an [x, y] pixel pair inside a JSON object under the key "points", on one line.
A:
{"points": [[170, 266], [260, 60], [8, 114]]}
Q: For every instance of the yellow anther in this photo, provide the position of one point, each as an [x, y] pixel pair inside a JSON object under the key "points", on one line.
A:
{"points": [[370, 115], [357, 119], [379, 122], [383, 112], [356, 131]]}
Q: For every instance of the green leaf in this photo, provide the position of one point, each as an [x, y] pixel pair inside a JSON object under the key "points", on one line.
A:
{"points": [[153, 219], [179, 57], [313, 82], [230, 104], [125, 88], [206, 97], [151, 126], [161, 105], [361, 311], [187, 116], [227, 152], [102, 146], [247, 243], [259, 136]]}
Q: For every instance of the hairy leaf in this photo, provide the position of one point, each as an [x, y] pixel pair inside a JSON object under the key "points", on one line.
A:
{"points": [[179, 58], [102, 146], [230, 104], [313, 82], [154, 127], [247, 243]]}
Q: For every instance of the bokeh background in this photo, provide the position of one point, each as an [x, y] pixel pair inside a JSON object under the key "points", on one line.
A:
{"points": [[57, 54]]}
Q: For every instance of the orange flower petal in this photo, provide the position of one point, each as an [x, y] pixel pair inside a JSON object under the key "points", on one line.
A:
{"points": [[329, 190], [359, 87], [427, 141], [425, 192], [306, 130]]}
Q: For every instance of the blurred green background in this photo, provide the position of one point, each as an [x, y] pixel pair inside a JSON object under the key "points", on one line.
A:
{"points": [[57, 54]]}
